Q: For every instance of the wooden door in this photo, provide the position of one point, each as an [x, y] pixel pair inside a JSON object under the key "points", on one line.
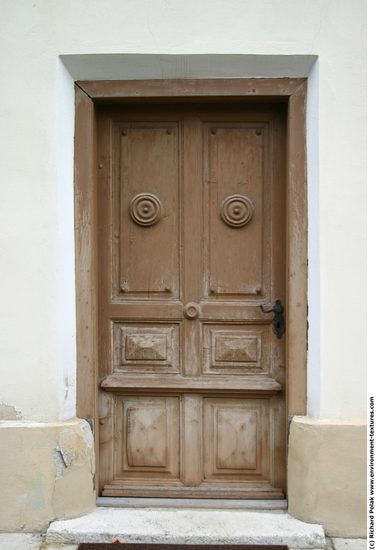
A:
{"points": [[191, 221]]}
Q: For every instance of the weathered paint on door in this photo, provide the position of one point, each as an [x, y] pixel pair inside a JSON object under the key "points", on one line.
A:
{"points": [[191, 221]]}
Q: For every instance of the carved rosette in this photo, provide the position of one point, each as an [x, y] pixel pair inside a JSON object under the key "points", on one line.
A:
{"points": [[145, 209], [237, 210]]}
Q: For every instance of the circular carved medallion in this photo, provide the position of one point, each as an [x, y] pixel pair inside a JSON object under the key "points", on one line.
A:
{"points": [[145, 209], [237, 210]]}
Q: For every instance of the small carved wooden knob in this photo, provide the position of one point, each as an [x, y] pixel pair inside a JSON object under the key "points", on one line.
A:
{"points": [[192, 310]]}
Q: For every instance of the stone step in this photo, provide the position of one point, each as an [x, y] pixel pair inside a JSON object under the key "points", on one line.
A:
{"points": [[188, 526], [233, 504]]}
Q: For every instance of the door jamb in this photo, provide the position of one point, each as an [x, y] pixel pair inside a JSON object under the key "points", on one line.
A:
{"points": [[87, 93]]}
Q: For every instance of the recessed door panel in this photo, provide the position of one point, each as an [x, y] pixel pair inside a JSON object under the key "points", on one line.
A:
{"points": [[146, 347], [236, 349], [147, 200], [238, 193], [147, 437], [236, 435]]}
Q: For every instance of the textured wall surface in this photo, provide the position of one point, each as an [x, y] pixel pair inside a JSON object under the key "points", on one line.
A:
{"points": [[47, 472], [327, 475]]}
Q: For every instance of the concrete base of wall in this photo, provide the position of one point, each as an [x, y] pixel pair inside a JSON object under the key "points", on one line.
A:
{"points": [[47, 472], [327, 475]]}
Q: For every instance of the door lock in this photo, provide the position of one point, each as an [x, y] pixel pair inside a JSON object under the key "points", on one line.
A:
{"points": [[278, 322]]}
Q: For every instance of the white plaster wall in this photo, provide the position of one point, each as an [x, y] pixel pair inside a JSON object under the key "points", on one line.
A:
{"points": [[37, 280]]}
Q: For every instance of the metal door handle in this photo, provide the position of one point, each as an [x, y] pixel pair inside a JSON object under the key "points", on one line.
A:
{"points": [[279, 327]]}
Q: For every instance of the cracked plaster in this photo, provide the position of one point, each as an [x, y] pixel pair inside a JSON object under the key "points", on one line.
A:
{"points": [[47, 472]]}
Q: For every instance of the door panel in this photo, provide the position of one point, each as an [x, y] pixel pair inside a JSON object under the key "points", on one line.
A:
{"points": [[234, 210], [148, 192], [191, 218], [146, 348], [236, 435], [235, 349], [147, 437]]}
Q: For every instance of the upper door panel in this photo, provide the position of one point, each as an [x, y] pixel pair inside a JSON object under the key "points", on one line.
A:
{"points": [[237, 193], [146, 208]]}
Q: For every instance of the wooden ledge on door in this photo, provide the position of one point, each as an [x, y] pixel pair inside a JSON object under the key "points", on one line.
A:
{"points": [[260, 385]]}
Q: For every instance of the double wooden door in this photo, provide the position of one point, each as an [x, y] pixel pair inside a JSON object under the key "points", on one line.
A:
{"points": [[191, 222]]}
